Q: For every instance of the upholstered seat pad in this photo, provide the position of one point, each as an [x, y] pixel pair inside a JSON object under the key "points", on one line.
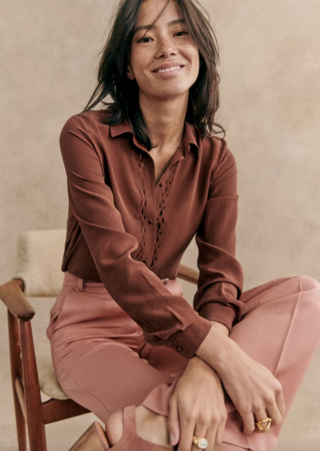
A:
{"points": [[49, 384], [38, 264]]}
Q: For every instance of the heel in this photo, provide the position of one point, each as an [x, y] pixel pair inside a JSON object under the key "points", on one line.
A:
{"points": [[130, 439], [93, 439]]}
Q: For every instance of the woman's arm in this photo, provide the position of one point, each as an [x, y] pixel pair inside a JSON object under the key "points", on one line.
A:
{"points": [[254, 391], [197, 406], [252, 388], [220, 278]]}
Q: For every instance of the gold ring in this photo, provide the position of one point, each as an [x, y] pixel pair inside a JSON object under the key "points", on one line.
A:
{"points": [[200, 442], [265, 427]]}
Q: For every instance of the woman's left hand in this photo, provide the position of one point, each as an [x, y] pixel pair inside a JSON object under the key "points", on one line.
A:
{"points": [[197, 407]]}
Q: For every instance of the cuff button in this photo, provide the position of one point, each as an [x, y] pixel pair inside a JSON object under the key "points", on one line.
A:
{"points": [[179, 348]]}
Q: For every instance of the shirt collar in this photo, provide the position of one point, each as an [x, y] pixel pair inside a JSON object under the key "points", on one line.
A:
{"points": [[190, 140]]}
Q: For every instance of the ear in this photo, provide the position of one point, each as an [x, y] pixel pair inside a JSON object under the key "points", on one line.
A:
{"points": [[130, 73]]}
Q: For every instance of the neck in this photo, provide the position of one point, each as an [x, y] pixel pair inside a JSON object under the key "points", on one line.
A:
{"points": [[165, 120]]}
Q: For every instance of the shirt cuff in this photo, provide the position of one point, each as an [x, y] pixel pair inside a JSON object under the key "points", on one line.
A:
{"points": [[186, 342], [220, 313]]}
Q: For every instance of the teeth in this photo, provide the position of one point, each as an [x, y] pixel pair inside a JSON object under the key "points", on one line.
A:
{"points": [[169, 69]]}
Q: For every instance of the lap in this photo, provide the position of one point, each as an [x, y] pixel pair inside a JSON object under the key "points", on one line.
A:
{"points": [[106, 375]]}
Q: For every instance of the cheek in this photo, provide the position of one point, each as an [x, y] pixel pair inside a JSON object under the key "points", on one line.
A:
{"points": [[194, 56], [197, 58], [196, 63], [140, 59], [137, 67]]}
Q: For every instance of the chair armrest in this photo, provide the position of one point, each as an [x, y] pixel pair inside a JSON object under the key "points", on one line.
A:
{"points": [[188, 274], [12, 296]]}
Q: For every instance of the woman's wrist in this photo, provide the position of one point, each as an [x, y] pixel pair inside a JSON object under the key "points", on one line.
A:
{"points": [[217, 348], [199, 364], [219, 327]]}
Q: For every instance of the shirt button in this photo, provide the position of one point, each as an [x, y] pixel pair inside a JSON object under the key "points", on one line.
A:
{"points": [[179, 348]]}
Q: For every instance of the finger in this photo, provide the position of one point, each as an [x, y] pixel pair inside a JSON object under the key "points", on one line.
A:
{"points": [[216, 430], [281, 402], [211, 436], [173, 423], [248, 421], [277, 408], [220, 431], [187, 427], [274, 413], [204, 430], [260, 415]]}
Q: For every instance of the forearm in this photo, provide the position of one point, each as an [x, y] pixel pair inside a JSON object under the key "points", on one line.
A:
{"points": [[198, 362], [217, 348]]}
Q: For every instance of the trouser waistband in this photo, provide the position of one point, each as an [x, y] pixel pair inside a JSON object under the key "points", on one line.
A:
{"points": [[71, 280]]}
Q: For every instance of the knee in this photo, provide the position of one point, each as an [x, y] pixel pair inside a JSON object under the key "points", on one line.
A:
{"points": [[310, 295], [308, 283]]}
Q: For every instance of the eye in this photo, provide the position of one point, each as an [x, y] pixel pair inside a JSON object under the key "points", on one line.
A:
{"points": [[181, 33], [144, 40]]}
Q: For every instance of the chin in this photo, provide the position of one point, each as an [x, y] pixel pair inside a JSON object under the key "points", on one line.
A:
{"points": [[170, 92]]}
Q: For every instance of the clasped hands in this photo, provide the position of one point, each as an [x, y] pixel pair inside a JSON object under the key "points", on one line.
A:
{"points": [[197, 406]]}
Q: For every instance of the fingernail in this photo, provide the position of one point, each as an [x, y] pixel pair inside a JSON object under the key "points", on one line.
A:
{"points": [[172, 439]]}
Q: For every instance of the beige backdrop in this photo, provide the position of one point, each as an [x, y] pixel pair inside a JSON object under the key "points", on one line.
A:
{"points": [[270, 92]]}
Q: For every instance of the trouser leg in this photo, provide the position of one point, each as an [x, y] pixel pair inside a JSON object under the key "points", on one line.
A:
{"points": [[280, 328], [106, 377], [98, 350]]}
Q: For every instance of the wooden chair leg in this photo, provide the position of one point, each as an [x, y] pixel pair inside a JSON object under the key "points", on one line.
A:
{"points": [[20, 423], [35, 423], [14, 358]]}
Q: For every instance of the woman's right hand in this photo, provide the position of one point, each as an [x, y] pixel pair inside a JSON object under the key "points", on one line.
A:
{"points": [[253, 389]]}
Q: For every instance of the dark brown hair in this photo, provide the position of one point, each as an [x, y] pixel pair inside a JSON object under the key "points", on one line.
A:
{"points": [[113, 79]]}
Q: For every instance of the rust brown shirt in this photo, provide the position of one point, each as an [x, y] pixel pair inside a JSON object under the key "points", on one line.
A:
{"points": [[129, 233]]}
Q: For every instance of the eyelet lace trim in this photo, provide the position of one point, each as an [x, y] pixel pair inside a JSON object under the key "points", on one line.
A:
{"points": [[161, 212], [142, 213]]}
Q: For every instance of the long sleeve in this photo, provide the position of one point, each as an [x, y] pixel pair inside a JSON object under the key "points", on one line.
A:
{"points": [[164, 318], [220, 281]]}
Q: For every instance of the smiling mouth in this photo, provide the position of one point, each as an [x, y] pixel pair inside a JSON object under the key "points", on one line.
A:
{"points": [[169, 69]]}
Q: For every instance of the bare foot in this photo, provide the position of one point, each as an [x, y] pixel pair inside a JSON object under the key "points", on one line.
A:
{"points": [[150, 426]]}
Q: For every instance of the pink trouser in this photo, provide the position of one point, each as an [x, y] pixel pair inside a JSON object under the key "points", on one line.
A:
{"points": [[103, 362]]}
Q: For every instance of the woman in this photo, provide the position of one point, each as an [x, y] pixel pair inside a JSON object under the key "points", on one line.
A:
{"points": [[144, 176]]}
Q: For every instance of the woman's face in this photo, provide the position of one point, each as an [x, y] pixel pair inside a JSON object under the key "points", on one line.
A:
{"points": [[164, 61]]}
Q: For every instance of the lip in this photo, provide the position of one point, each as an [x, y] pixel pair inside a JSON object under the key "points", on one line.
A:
{"points": [[168, 68]]}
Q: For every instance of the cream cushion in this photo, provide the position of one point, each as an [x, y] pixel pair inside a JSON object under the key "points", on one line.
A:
{"points": [[39, 256], [38, 264], [47, 378]]}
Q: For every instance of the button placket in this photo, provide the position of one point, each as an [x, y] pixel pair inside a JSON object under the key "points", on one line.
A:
{"points": [[152, 209], [149, 213], [165, 186], [142, 212]]}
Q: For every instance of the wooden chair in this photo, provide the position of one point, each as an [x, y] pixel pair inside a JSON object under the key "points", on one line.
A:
{"points": [[38, 274]]}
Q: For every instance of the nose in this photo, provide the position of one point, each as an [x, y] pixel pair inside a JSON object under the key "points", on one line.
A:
{"points": [[165, 48]]}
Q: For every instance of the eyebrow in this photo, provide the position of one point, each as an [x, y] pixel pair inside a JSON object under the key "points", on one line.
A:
{"points": [[149, 27]]}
